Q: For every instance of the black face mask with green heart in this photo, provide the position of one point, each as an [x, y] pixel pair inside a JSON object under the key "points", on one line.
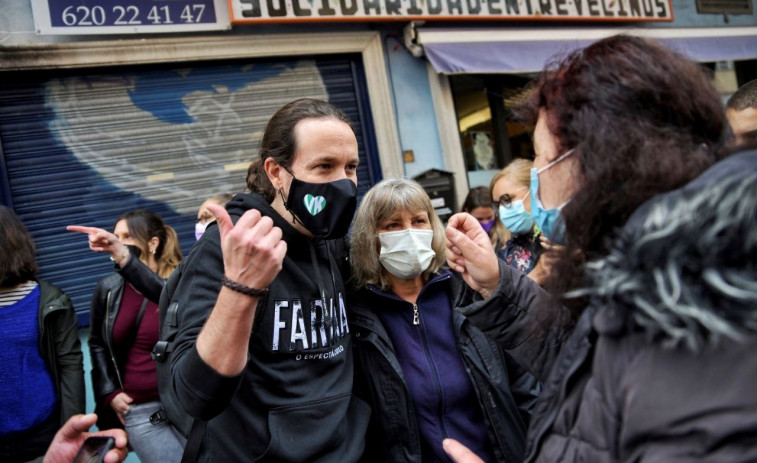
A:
{"points": [[325, 209]]}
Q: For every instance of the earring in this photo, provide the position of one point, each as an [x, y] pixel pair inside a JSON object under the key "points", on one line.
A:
{"points": [[152, 251]]}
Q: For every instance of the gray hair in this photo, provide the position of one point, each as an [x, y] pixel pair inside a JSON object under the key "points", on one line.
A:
{"points": [[381, 202], [688, 272]]}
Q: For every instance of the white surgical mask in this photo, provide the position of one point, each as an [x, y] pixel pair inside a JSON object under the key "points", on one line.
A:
{"points": [[406, 253]]}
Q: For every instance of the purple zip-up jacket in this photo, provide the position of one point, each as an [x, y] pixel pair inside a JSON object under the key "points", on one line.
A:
{"points": [[443, 397]]}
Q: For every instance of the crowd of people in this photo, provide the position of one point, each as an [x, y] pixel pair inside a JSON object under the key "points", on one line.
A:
{"points": [[596, 303]]}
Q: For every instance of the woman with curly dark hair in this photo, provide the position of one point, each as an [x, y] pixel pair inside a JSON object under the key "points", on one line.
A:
{"points": [[656, 361]]}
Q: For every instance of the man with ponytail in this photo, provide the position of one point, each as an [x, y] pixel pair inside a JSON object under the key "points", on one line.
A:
{"points": [[262, 353]]}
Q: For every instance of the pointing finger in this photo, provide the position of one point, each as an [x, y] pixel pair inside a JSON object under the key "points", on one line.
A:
{"points": [[81, 229]]}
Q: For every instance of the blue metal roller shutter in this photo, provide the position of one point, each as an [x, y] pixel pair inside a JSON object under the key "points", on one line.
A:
{"points": [[85, 148]]}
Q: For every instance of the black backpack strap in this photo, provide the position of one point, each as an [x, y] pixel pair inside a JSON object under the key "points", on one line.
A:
{"points": [[192, 449]]}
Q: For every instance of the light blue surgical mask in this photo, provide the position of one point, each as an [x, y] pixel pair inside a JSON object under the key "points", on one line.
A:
{"points": [[549, 221], [515, 217]]}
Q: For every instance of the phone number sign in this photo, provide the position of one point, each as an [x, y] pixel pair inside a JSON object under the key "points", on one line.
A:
{"points": [[128, 16]]}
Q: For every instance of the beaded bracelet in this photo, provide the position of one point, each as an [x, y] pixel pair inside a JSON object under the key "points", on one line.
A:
{"points": [[240, 288]]}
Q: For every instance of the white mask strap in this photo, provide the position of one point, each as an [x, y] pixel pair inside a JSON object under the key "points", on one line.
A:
{"points": [[556, 161]]}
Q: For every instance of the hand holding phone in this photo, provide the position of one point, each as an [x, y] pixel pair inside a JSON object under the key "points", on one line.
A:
{"points": [[94, 448], [67, 443]]}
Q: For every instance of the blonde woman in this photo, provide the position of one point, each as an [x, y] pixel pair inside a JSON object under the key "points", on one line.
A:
{"points": [[510, 196]]}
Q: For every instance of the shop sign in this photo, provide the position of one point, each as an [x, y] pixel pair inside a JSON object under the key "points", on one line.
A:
{"points": [[251, 11], [128, 16]]}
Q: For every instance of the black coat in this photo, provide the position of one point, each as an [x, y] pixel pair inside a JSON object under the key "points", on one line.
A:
{"points": [[661, 366], [60, 347], [107, 363], [504, 390]]}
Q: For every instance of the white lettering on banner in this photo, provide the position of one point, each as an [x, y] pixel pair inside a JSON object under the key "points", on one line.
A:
{"points": [[326, 325], [322, 356], [367, 10]]}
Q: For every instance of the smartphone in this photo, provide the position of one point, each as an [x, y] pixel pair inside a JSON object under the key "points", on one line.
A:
{"points": [[93, 449]]}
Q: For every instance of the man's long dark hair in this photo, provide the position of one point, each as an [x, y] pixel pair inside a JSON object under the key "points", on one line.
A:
{"points": [[279, 141], [642, 120]]}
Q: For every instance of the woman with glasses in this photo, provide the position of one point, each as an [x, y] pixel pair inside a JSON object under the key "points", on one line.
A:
{"points": [[523, 246]]}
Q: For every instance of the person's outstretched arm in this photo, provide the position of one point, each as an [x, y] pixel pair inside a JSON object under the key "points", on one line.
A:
{"points": [[147, 282]]}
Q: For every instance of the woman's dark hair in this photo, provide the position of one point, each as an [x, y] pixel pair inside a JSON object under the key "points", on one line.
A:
{"points": [[642, 120], [481, 196], [18, 263], [279, 141], [143, 225], [477, 197]]}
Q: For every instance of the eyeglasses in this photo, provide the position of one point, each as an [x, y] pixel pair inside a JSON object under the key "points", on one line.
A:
{"points": [[505, 200]]}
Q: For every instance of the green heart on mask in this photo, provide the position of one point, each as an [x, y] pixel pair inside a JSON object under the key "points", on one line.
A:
{"points": [[314, 204]]}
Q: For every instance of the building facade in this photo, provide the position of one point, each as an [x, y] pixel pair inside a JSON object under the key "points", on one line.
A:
{"points": [[102, 112]]}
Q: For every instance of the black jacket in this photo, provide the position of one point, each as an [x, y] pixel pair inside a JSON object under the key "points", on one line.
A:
{"points": [[293, 402], [393, 434], [107, 363], [661, 366], [60, 347]]}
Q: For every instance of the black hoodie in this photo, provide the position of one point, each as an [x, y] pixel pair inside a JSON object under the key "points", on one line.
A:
{"points": [[293, 402]]}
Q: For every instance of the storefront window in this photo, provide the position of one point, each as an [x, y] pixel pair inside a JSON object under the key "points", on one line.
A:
{"points": [[489, 136]]}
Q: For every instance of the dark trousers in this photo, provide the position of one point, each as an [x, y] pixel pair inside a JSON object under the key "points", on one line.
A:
{"points": [[22, 446]]}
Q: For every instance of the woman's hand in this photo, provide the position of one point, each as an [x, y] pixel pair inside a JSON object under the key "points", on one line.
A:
{"points": [[469, 251], [72, 435], [253, 251], [104, 241], [550, 255], [460, 453], [121, 404]]}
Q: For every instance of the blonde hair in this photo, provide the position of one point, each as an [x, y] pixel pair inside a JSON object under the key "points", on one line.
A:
{"points": [[381, 202], [221, 198], [518, 171]]}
